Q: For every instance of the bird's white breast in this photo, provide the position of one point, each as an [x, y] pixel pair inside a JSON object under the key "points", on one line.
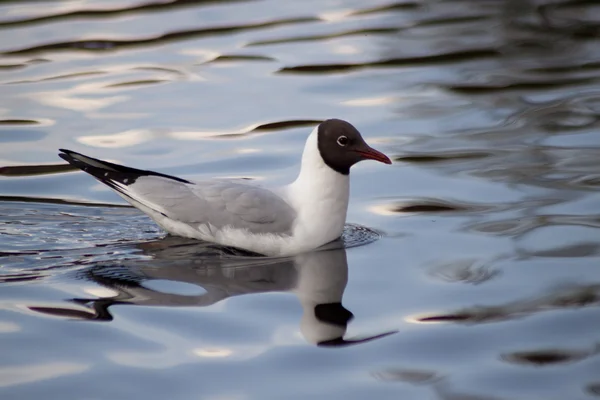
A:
{"points": [[320, 197]]}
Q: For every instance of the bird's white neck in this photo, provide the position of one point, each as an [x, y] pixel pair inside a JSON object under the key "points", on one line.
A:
{"points": [[320, 197]]}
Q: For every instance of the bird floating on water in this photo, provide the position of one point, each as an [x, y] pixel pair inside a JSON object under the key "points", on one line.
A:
{"points": [[296, 218]]}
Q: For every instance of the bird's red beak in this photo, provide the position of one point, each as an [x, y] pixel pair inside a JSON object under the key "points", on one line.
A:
{"points": [[371, 154]]}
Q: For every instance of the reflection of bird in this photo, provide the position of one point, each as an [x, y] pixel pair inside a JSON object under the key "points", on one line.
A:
{"points": [[321, 280], [302, 216], [318, 279]]}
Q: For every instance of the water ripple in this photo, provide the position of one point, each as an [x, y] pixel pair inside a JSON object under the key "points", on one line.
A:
{"points": [[315, 38], [450, 57], [106, 13], [102, 45]]}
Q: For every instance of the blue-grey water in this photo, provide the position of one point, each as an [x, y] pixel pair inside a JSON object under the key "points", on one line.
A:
{"points": [[471, 268]]}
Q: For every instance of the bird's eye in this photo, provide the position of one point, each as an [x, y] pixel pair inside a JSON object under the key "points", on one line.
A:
{"points": [[342, 141]]}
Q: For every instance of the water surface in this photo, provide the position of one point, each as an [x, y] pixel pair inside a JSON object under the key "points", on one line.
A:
{"points": [[477, 273]]}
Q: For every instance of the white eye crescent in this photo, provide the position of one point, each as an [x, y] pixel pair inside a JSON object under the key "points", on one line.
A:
{"points": [[342, 141]]}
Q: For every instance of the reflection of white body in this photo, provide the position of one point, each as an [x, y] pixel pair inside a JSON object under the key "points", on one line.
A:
{"points": [[318, 279]]}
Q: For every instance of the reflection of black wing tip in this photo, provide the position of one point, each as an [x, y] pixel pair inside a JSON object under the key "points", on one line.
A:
{"points": [[97, 312], [100, 308]]}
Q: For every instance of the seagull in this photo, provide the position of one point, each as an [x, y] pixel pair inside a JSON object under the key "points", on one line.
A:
{"points": [[299, 217]]}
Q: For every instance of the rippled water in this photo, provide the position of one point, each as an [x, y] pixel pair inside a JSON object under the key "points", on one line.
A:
{"points": [[477, 277]]}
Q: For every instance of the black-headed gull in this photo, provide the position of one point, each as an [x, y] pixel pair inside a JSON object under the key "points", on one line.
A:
{"points": [[299, 217]]}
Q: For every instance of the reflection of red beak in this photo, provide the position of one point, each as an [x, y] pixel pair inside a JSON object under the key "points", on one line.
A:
{"points": [[372, 154]]}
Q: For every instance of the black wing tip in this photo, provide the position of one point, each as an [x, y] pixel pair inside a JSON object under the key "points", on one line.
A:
{"points": [[116, 171], [65, 155], [66, 151]]}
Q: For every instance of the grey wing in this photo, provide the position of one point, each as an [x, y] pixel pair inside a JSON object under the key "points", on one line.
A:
{"points": [[219, 203]]}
